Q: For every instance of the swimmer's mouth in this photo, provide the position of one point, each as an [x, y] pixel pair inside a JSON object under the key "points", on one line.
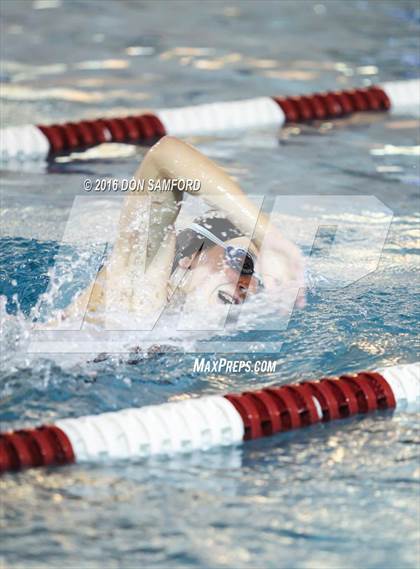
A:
{"points": [[226, 298]]}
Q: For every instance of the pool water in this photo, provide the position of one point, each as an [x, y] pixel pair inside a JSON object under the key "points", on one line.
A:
{"points": [[331, 496]]}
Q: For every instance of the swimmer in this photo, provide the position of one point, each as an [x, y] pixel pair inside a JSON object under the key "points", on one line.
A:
{"points": [[221, 258]]}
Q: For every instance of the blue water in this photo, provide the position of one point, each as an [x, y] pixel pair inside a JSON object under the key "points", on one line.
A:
{"points": [[332, 496]]}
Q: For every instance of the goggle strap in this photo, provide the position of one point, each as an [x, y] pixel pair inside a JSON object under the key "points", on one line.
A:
{"points": [[206, 233], [211, 237]]}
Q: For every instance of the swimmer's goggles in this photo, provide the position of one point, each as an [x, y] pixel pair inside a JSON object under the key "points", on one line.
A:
{"points": [[241, 260]]}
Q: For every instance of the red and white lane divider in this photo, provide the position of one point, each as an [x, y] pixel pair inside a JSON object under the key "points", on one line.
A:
{"points": [[203, 423], [31, 142]]}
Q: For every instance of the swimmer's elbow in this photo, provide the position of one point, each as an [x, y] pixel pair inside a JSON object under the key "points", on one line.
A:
{"points": [[165, 144], [170, 158], [158, 154], [166, 148], [168, 140]]}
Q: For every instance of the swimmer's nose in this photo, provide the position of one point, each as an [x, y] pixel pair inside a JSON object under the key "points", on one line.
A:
{"points": [[247, 284]]}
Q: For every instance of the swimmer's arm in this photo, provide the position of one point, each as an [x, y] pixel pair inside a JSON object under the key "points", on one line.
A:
{"points": [[146, 218], [136, 275], [140, 264], [174, 159], [280, 261]]}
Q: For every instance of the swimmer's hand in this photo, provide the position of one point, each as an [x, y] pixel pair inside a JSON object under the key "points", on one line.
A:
{"points": [[281, 266]]}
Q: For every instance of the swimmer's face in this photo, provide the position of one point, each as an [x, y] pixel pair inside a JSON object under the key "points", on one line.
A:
{"points": [[210, 281]]}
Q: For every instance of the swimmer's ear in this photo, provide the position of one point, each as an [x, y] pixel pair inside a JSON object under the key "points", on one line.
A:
{"points": [[186, 262]]}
